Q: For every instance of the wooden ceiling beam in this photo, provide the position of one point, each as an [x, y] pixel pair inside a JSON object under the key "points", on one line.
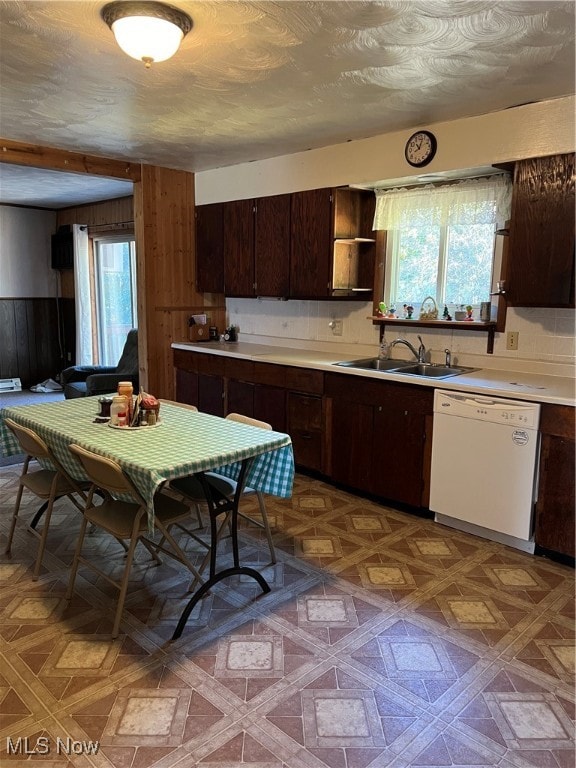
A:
{"points": [[36, 156]]}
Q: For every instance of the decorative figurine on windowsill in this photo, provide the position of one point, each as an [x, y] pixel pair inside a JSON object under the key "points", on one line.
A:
{"points": [[469, 310], [408, 311], [391, 312], [381, 311], [446, 315]]}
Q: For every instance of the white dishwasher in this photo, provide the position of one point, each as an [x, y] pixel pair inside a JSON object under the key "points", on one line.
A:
{"points": [[484, 466]]}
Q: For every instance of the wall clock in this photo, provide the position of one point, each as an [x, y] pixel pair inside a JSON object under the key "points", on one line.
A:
{"points": [[420, 148]]}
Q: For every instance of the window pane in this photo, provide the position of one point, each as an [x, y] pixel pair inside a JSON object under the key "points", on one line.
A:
{"points": [[418, 250], [469, 263]]}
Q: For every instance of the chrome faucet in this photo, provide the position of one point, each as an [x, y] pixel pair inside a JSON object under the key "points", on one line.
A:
{"points": [[418, 354], [448, 361]]}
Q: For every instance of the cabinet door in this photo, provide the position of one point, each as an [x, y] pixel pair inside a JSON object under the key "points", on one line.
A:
{"points": [[305, 421], [399, 436], [311, 244], [270, 406], [240, 397], [209, 248], [211, 394], [239, 248], [352, 448], [555, 508], [187, 387], [272, 245], [541, 249], [554, 528]]}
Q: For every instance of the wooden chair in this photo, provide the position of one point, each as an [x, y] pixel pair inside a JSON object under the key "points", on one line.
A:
{"points": [[191, 488], [47, 484], [126, 521]]}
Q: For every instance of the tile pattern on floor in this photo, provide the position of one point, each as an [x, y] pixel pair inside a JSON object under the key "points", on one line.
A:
{"points": [[387, 641]]}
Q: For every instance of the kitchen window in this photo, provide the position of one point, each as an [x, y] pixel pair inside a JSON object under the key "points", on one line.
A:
{"points": [[441, 240]]}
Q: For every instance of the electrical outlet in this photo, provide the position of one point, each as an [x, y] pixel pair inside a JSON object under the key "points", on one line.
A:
{"points": [[336, 326], [512, 340]]}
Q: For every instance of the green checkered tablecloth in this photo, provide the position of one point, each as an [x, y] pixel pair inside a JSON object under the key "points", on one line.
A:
{"points": [[185, 442]]}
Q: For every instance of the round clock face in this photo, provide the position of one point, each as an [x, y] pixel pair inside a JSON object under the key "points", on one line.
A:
{"points": [[420, 148]]}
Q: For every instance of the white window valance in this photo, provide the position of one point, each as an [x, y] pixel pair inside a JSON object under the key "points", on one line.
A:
{"points": [[473, 201]]}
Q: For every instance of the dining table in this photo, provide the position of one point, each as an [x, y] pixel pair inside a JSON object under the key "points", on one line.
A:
{"points": [[183, 442]]}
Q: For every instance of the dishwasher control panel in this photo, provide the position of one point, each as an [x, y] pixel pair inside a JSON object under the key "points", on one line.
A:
{"points": [[495, 410]]}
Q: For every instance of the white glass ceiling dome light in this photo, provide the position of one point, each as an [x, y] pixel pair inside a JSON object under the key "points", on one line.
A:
{"points": [[147, 31]]}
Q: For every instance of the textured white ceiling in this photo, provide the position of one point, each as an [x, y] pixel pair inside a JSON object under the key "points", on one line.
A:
{"points": [[259, 79]]}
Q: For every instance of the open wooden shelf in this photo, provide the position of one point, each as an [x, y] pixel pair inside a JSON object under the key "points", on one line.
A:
{"points": [[460, 325]]}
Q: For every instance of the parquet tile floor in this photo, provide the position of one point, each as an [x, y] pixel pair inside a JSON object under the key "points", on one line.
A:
{"points": [[387, 641]]}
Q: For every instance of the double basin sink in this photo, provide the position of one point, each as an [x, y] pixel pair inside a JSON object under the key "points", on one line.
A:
{"points": [[431, 370]]}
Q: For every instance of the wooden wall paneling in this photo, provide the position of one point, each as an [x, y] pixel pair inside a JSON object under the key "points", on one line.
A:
{"points": [[113, 212], [25, 351], [42, 339], [164, 227], [8, 348]]}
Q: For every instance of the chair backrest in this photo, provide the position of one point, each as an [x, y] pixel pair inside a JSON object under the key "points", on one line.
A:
{"points": [[128, 362], [31, 443], [248, 420], [105, 473], [180, 405]]}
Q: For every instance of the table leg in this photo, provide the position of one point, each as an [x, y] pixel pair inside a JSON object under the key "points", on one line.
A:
{"points": [[219, 504]]}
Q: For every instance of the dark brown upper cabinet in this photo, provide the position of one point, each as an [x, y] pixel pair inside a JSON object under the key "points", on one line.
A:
{"points": [[316, 244], [311, 244], [239, 273], [272, 246], [333, 246], [540, 269], [210, 247], [257, 247]]}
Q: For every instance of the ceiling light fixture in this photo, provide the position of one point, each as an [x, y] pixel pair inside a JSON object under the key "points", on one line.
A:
{"points": [[147, 31]]}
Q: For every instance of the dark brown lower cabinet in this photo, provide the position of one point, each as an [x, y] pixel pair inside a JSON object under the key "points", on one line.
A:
{"points": [[270, 406], [198, 383], [211, 394], [399, 440], [380, 437], [186, 387], [352, 443], [305, 416], [555, 525], [258, 401]]}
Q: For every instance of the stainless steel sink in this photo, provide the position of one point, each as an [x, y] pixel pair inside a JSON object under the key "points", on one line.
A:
{"points": [[373, 364], [403, 367], [433, 370]]}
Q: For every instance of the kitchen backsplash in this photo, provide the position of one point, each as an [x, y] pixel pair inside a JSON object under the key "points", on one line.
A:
{"points": [[546, 337]]}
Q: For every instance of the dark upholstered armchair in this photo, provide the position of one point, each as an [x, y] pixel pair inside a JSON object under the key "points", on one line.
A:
{"points": [[85, 380]]}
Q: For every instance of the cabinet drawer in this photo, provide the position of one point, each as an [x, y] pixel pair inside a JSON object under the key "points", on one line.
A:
{"points": [[239, 369], [301, 379], [304, 412], [410, 397], [185, 361], [212, 365]]}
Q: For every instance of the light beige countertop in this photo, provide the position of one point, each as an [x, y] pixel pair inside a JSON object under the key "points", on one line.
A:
{"points": [[517, 385]]}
